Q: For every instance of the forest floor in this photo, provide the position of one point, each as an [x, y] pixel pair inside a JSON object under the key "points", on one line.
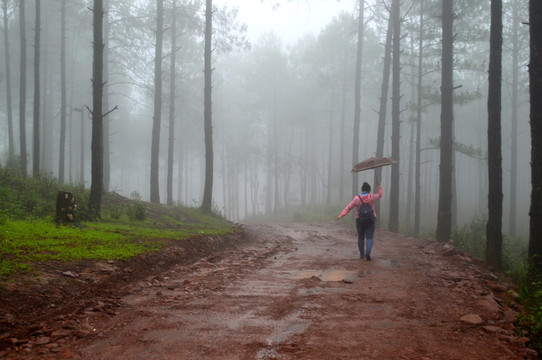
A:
{"points": [[282, 291]]}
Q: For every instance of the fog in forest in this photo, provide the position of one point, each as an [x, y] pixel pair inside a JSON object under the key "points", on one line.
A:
{"points": [[283, 110]]}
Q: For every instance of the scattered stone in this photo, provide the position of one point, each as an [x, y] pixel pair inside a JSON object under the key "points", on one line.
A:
{"points": [[15, 341], [57, 334], [530, 353], [514, 295], [42, 340], [492, 276], [472, 319], [492, 329], [497, 287], [490, 306], [458, 257], [510, 316], [51, 346], [69, 273]]}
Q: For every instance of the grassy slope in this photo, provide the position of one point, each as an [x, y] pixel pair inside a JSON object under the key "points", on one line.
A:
{"points": [[29, 235]]}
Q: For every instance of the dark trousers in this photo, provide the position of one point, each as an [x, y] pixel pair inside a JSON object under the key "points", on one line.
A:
{"points": [[365, 230]]}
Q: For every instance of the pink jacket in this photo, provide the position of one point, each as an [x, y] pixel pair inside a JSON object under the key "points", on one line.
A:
{"points": [[356, 202]]}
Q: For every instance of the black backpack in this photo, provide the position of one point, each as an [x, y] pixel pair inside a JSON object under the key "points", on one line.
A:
{"points": [[365, 212]]}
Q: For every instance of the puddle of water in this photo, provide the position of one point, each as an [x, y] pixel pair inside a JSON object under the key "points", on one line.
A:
{"points": [[389, 263], [327, 275]]}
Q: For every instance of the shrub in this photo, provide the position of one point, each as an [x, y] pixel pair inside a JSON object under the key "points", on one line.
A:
{"points": [[134, 195], [137, 212], [115, 212], [472, 238], [530, 320]]}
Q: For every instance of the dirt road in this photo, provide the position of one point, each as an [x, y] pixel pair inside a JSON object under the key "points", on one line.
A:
{"points": [[300, 291]]}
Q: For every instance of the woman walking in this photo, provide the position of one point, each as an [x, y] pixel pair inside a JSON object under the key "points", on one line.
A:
{"points": [[365, 217]]}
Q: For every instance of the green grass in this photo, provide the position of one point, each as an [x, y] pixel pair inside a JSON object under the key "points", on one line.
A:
{"points": [[24, 243], [128, 227]]}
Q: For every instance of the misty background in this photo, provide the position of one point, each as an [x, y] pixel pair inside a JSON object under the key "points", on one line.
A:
{"points": [[283, 109]]}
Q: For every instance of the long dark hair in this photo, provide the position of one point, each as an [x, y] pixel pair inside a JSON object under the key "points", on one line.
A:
{"points": [[365, 187]]}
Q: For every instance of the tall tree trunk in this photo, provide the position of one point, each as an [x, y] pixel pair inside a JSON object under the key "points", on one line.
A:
{"points": [[382, 112], [106, 121], [494, 222], [82, 147], [343, 121], [11, 151], [62, 148], [171, 139], [22, 90], [36, 130], [535, 86], [417, 201], [444, 217], [357, 100], [207, 202], [157, 117], [274, 144], [330, 148], [96, 187], [46, 123], [395, 117], [514, 121]]}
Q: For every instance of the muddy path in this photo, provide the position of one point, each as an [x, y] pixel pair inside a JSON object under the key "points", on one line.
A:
{"points": [[300, 291]]}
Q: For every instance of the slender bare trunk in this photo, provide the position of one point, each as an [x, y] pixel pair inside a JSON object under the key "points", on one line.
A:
{"points": [[22, 91], [514, 120], [383, 105], [157, 117], [395, 116], [171, 131], [62, 147], [207, 113], [494, 222], [106, 121], [357, 100], [36, 130], [535, 85], [444, 221], [96, 187], [11, 151], [417, 201]]}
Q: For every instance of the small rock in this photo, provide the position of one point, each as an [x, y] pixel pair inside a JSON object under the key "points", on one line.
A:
{"points": [[69, 273], [472, 319], [51, 346], [530, 353], [492, 329], [510, 316], [491, 307], [458, 257], [42, 340], [18, 342], [60, 334], [497, 287]]}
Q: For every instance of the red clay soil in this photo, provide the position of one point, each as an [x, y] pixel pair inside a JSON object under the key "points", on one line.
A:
{"points": [[290, 291]]}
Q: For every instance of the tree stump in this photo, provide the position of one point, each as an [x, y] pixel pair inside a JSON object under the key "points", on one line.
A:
{"points": [[65, 207]]}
